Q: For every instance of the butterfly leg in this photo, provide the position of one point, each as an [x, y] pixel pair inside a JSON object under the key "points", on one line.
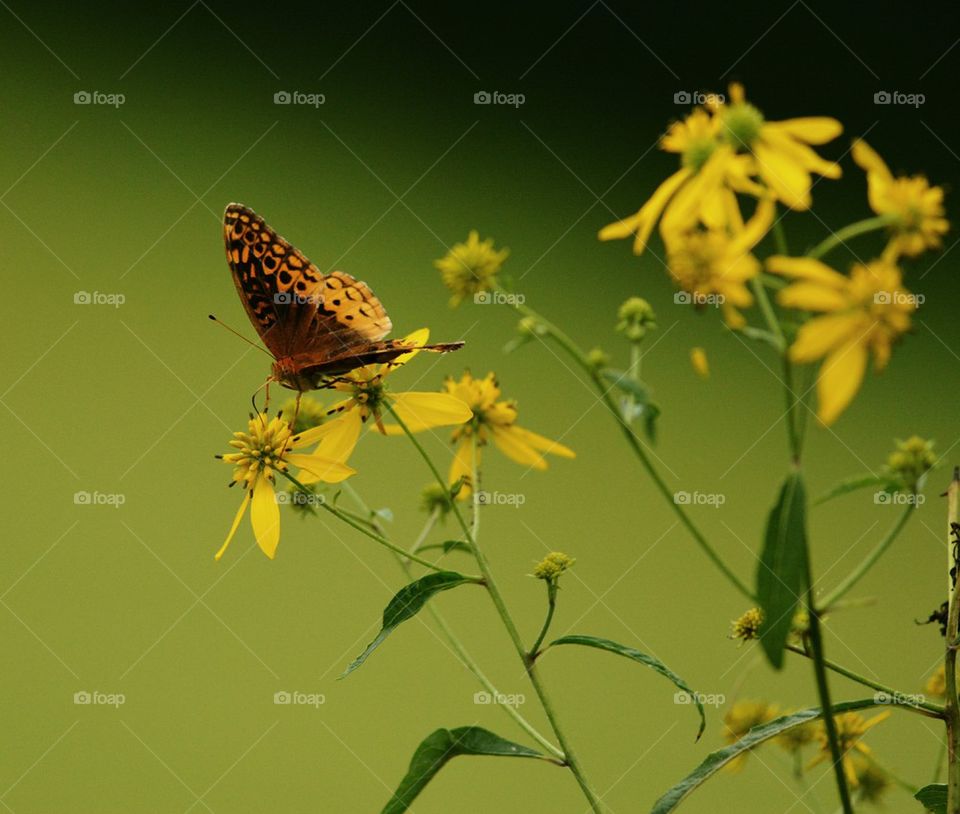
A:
{"points": [[293, 423]]}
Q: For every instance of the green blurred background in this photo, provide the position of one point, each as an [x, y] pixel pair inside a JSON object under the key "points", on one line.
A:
{"points": [[135, 400]]}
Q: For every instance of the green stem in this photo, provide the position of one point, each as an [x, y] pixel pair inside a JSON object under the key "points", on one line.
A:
{"points": [[569, 757], [551, 607], [575, 353], [921, 707], [950, 659], [841, 236], [868, 562]]}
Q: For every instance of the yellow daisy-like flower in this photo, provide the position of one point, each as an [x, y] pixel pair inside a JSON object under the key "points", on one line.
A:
{"points": [[703, 188], [781, 150], [496, 419], [714, 265], [266, 448], [367, 397], [739, 719], [851, 727], [863, 313], [916, 210], [471, 268]]}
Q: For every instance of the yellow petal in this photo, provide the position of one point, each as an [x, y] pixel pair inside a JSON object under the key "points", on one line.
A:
{"points": [[339, 444], [811, 129], [233, 528], [314, 468], [643, 222], [869, 160], [265, 517], [542, 444], [462, 467], [804, 268], [698, 358], [755, 228], [421, 411], [785, 177], [821, 335], [841, 375], [812, 297], [316, 434], [511, 444], [417, 338]]}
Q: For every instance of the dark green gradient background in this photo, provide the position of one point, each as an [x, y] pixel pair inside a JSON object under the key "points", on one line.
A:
{"points": [[137, 399]]}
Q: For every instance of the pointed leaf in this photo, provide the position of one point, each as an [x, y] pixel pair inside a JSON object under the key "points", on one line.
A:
{"points": [[642, 658], [623, 380], [933, 797], [853, 484], [439, 747], [782, 568], [717, 760], [406, 604]]}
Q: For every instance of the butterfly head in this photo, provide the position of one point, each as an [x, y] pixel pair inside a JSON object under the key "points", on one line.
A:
{"points": [[290, 375]]}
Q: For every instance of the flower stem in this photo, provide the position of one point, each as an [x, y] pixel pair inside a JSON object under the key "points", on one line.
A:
{"points": [[950, 662], [470, 531], [841, 236], [551, 607], [571, 348], [921, 707], [868, 562]]}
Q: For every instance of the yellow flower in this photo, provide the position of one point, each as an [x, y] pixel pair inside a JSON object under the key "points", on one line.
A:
{"points": [[367, 397], [747, 627], [865, 312], [703, 188], [740, 719], [471, 268], [914, 207], [552, 566], [851, 727], [714, 265], [266, 448], [794, 739], [496, 419], [781, 150], [912, 460]]}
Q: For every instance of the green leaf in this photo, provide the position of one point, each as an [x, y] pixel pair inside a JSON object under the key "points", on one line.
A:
{"points": [[717, 760], [853, 484], [782, 569], [448, 546], [933, 797], [642, 405], [629, 385], [406, 604], [439, 747], [642, 658]]}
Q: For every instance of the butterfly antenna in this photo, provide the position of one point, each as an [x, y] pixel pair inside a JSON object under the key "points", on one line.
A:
{"points": [[237, 333]]}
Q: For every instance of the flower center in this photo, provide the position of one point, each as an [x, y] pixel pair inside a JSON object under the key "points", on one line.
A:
{"points": [[742, 123], [697, 152]]}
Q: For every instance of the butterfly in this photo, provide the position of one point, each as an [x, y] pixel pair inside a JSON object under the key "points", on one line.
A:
{"points": [[317, 326]]}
